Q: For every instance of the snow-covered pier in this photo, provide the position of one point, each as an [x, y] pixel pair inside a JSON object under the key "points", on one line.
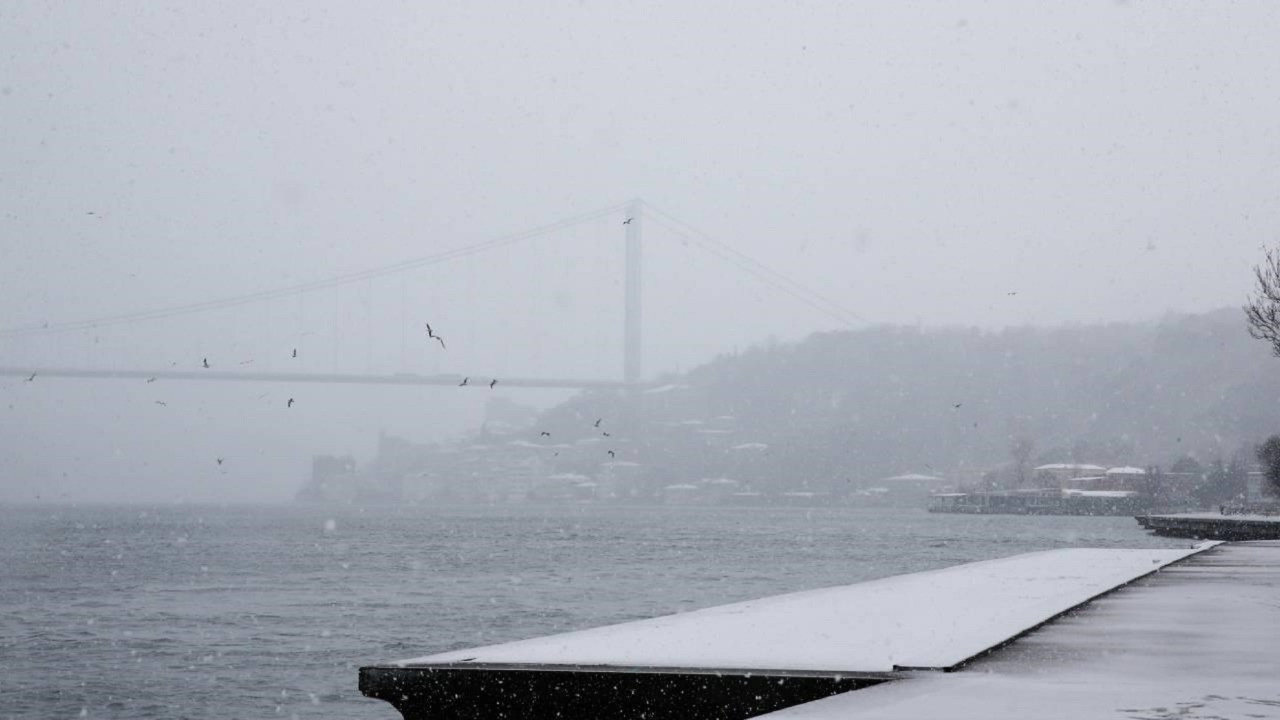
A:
{"points": [[1213, 526], [751, 658], [1197, 640]]}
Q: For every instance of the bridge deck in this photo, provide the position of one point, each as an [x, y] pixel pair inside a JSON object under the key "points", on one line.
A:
{"points": [[329, 378]]}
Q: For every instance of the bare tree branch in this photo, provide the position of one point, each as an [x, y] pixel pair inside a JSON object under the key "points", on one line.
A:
{"points": [[1263, 309]]}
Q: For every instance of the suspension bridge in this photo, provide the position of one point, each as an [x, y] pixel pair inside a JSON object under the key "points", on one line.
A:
{"points": [[631, 217]]}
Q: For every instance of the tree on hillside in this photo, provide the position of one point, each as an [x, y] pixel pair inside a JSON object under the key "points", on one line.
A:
{"points": [[1186, 465], [1221, 483], [1263, 310], [1269, 456], [1020, 449]]}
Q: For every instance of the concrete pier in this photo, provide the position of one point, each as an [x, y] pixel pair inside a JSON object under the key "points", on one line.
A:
{"points": [[1213, 526], [1199, 639], [751, 658], [486, 691]]}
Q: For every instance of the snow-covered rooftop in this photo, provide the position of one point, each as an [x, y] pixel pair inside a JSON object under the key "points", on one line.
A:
{"points": [[1071, 466], [913, 477], [751, 446], [1099, 493], [1126, 471]]}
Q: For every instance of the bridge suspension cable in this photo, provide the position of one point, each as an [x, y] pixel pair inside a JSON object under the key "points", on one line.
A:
{"points": [[759, 270], [307, 287]]}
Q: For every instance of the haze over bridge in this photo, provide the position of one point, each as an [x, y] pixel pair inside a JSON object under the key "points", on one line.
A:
{"points": [[630, 219]]}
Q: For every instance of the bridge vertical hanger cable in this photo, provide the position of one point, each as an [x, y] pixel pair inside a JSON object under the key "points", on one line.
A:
{"points": [[269, 331], [300, 330], [402, 364], [632, 339], [368, 325]]}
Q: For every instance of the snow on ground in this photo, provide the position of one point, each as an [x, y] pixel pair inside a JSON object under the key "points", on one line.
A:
{"points": [[1218, 517], [929, 619], [972, 696], [1197, 640]]}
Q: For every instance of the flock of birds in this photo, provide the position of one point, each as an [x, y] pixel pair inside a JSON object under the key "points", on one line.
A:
{"points": [[431, 334]]}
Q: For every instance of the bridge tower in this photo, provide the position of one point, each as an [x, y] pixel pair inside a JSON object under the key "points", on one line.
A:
{"points": [[631, 370]]}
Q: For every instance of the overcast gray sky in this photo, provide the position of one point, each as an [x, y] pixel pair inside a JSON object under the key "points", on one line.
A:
{"points": [[915, 162]]}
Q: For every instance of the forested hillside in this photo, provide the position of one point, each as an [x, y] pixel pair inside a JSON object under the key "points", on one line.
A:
{"points": [[844, 408]]}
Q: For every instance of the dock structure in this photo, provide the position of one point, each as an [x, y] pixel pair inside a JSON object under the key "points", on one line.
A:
{"points": [[1213, 526], [1197, 640], [752, 658]]}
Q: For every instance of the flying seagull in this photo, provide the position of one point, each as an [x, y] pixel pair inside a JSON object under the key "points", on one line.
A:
{"points": [[492, 383], [464, 382], [206, 363], [544, 433], [32, 378], [611, 454], [295, 352], [1015, 292], [597, 422], [627, 221], [290, 403], [431, 334], [150, 380], [606, 434], [161, 402], [956, 406], [219, 461]]}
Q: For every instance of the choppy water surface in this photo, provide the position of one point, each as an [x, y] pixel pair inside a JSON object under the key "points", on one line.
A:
{"points": [[239, 612]]}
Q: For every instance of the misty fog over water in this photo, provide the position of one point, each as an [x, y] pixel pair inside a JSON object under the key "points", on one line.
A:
{"points": [[314, 318], [970, 165]]}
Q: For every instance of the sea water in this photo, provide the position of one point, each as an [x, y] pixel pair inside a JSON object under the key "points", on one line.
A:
{"points": [[183, 611]]}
